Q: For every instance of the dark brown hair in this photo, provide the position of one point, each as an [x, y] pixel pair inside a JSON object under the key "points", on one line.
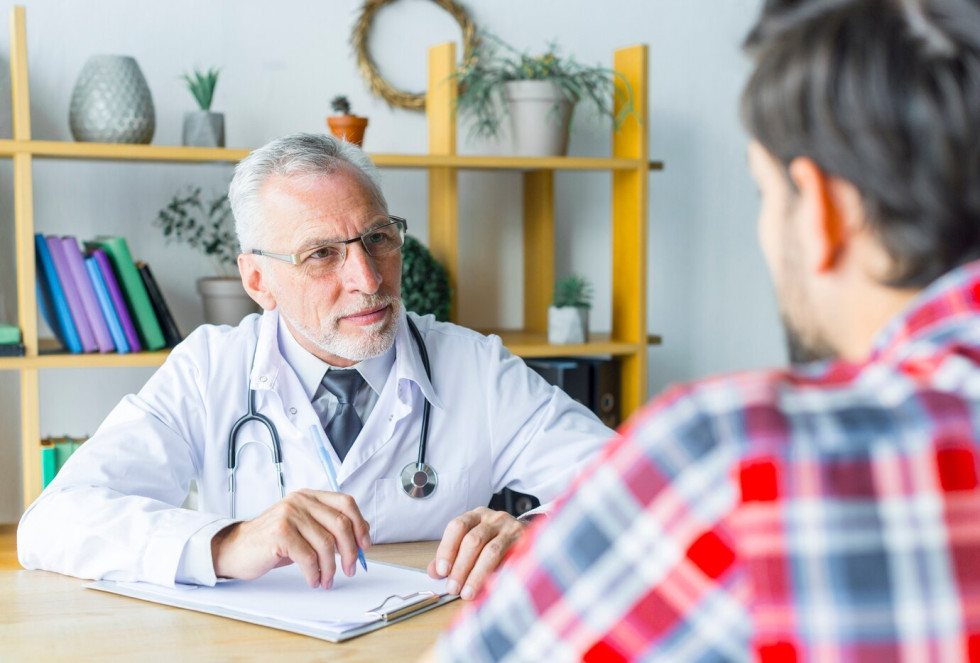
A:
{"points": [[886, 95]]}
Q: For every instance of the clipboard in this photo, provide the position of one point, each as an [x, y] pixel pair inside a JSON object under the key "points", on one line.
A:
{"points": [[281, 599]]}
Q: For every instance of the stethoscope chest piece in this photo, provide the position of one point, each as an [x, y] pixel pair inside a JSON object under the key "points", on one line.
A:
{"points": [[419, 480]]}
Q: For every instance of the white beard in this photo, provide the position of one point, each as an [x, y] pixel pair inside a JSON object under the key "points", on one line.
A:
{"points": [[373, 340]]}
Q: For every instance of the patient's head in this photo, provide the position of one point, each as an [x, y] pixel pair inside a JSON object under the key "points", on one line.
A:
{"points": [[881, 94]]}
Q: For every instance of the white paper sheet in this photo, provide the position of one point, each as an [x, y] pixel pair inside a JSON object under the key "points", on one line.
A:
{"points": [[282, 594]]}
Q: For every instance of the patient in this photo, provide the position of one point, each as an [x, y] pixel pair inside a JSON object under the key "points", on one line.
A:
{"points": [[829, 511]]}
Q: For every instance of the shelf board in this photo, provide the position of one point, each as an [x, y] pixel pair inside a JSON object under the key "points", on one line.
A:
{"points": [[535, 344], [92, 360], [43, 149]]}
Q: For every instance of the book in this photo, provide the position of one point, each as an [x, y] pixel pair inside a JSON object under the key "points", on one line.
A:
{"points": [[151, 336], [78, 316], [118, 301], [86, 291], [51, 297], [12, 350], [9, 334], [167, 323], [105, 303], [49, 463]]}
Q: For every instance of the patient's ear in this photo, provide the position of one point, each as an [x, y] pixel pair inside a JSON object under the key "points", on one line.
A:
{"points": [[256, 282], [824, 211]]}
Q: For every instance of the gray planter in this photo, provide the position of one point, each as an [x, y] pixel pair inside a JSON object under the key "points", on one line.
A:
{"points": [[539, 116], [225, 300], [567, 324], [204, 129], [111, 102]]}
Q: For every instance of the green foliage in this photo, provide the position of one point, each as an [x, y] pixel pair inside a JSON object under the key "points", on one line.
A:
{"points": [[206, 226], [573, 290], [201, 85], [482, 77], [340, 105], [425, 283]]}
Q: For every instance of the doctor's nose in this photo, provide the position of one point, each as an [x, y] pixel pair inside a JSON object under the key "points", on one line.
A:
{"points": [[359, 271]]}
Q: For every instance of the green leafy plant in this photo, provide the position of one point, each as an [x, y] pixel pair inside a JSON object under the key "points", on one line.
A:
{"points": [[482, 77], [425, 283], [206, 226], [573, 290], [340, 105], [201, 85]]}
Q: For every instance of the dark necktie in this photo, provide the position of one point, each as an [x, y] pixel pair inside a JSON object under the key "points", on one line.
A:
{"points": [[343, 427]]}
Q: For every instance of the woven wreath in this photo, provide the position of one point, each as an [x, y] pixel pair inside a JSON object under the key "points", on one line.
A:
{"points": [[378, 85]]}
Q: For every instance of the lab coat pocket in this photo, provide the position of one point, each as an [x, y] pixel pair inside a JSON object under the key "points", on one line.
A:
{"points": [[399, 517]]}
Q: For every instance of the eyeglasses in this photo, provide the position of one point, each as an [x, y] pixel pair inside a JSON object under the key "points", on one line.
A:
{"points": [[327, 257]]}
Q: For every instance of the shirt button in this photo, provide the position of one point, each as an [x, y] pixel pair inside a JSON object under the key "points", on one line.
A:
{"points": [[292, 410], [263, 379], [390, 417]]}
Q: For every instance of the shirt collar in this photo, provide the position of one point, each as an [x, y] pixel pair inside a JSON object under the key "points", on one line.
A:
{"points": [[311, 369], [943, 307]]}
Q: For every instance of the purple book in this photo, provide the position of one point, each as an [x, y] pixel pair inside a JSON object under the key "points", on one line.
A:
{"points": [[118, 302], [84, 327], [76, 263]]}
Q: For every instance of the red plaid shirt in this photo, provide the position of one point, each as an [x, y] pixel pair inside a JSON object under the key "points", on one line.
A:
{"points": [[828, 513]]}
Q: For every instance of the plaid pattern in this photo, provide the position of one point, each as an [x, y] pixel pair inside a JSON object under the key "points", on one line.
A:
{"points": [[829, 513]]}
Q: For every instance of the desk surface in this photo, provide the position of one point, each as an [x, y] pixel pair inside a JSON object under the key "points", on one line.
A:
{"points": [[55, 617]]}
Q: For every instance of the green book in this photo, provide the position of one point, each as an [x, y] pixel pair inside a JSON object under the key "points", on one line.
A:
{"points": [[63, 449], [133, 289], [49, 464], [9, 335]]}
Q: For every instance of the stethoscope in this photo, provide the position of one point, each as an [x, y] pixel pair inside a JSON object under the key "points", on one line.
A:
{"points": [[418, 479]]}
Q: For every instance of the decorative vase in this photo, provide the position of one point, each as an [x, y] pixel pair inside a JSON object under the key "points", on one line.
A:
{"points": [[567, 324], [348, 127], [225, 300], [539, 115], [204, 129], [111, 102]]}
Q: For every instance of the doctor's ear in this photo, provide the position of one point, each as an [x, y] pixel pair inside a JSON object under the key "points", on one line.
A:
{"points": [[256, 282]]}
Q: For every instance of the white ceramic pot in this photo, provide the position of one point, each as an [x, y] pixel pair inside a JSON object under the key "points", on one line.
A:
{"points": [[204, 129], [567, 324], [225, 300], [539, 115]]}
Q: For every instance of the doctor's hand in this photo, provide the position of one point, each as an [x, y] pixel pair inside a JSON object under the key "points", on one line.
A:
{"points": [[306, 527], [472, 547]]}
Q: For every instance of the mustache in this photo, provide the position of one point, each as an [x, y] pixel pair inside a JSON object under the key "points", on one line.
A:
{"points": [[367, 302]]}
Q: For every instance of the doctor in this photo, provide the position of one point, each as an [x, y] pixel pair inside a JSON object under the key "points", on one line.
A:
{"points": [[335, 369]]}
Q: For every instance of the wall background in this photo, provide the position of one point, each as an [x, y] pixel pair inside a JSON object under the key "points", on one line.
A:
{"points": [[281, 64]]}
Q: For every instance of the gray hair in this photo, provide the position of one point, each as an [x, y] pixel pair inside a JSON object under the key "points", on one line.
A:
{"points": [[295, 155]]}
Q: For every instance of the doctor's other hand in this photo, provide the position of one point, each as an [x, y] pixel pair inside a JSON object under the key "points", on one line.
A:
{"points": [[472, 547], [306, 527]]}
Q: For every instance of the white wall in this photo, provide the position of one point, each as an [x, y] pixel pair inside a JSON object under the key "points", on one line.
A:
{"points": [[281, 64]]}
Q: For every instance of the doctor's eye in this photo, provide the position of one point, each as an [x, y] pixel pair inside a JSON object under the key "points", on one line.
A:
{"points": [[327, 253]]}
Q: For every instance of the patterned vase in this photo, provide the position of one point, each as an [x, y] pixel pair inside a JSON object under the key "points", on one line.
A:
{"points": [[111, 102]]}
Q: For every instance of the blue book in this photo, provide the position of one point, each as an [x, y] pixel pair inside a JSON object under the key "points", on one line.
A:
{"points": [[105, 303], [54, 306]]}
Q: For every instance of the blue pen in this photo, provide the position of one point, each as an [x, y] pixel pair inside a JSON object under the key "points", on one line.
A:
{"points": [[332, 475]]}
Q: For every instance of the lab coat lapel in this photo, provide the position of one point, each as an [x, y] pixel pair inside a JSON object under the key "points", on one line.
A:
{"points": [[403, 396]]}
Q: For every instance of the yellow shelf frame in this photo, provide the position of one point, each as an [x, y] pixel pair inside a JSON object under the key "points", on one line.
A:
{"points": [[629, 165]]}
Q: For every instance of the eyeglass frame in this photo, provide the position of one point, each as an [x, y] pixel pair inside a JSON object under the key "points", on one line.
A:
{"points": [[298, 259]]}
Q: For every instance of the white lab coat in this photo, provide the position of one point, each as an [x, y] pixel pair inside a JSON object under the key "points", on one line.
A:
{"points": [[114, 511]]}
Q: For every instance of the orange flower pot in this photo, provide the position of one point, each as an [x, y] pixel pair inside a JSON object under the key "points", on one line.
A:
{"points": [[348, 127]]}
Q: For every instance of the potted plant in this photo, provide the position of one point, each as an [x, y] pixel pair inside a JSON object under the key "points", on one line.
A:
{"points": [[202, 128], [537, 92], [343, 125], [568, 318], [210, 228], [425, 283]]}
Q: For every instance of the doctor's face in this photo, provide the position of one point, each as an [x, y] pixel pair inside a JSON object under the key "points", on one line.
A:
{"points": [[341, 316]]}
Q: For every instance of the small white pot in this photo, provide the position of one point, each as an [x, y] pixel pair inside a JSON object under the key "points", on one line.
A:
{"points": [[204, 129], [225, 300], [567, 324]]}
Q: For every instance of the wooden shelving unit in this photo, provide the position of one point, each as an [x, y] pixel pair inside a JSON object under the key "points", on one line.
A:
{"points": [[629, 165]]}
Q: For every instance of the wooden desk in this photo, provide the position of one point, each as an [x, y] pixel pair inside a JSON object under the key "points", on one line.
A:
{"points": [[50, 616]]}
